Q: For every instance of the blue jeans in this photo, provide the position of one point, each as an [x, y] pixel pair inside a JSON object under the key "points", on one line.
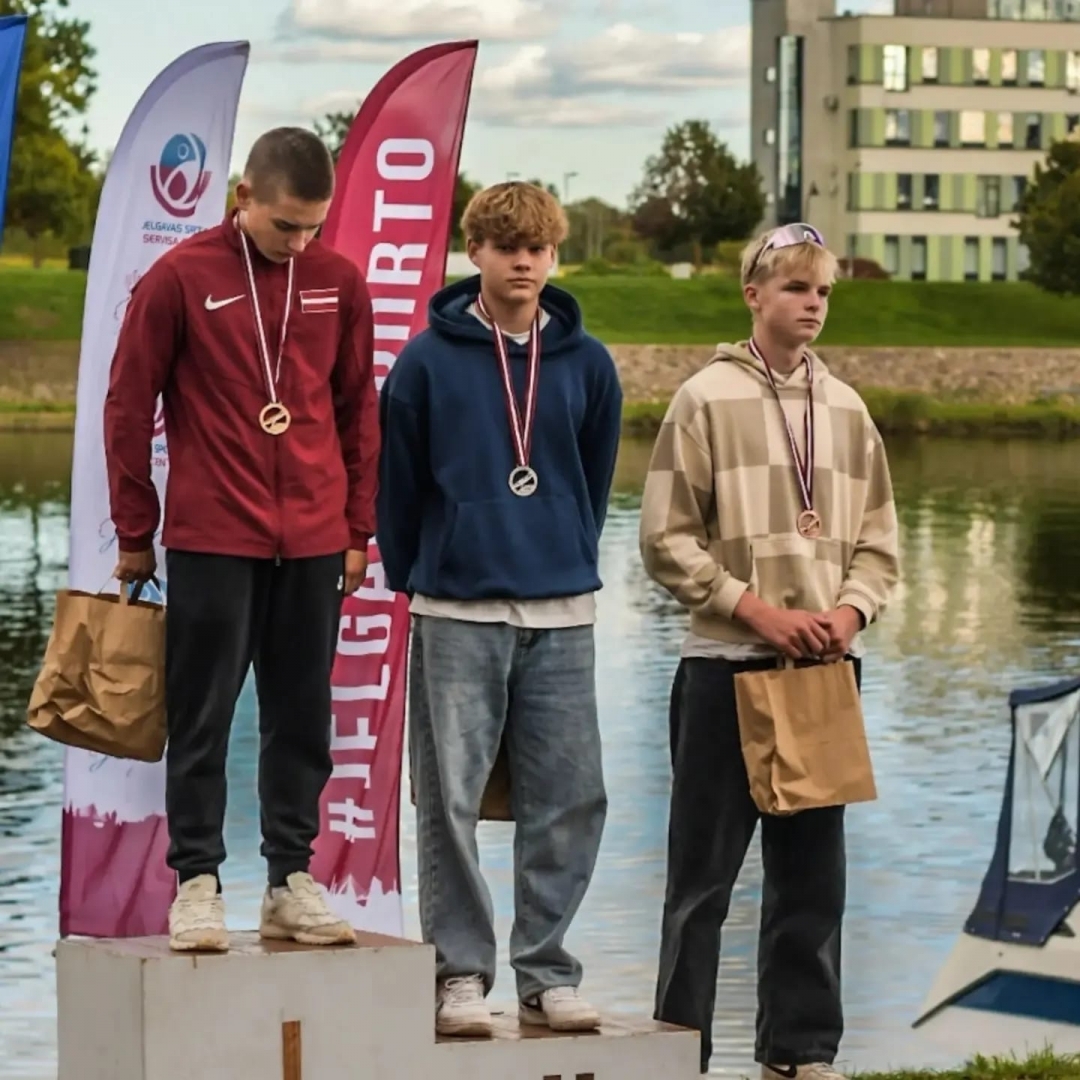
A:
{"points": [[469, 681]]}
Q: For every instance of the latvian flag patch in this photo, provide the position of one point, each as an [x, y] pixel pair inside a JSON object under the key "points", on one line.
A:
{"points": [[318, 301]]}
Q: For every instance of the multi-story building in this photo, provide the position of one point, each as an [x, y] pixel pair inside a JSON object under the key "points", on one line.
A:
{"points": [[908, 138]]}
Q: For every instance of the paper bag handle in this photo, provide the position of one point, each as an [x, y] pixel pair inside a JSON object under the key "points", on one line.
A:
{"points": [[126, 599]]}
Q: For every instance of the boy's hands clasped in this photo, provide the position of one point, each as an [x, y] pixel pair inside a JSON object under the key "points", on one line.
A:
{"points": [[801, 635]]}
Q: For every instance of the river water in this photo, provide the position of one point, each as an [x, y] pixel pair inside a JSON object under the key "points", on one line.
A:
{"points": [[990, 601]]}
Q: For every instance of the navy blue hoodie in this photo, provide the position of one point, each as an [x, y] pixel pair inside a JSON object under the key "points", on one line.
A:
{"points": [[448, 525]]}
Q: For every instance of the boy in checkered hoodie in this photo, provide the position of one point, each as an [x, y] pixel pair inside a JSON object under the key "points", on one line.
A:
{"points": [[772, 559]]}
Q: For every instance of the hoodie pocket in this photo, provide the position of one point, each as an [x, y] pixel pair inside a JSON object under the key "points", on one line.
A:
{"points": [[533, 546], [791, 571]]}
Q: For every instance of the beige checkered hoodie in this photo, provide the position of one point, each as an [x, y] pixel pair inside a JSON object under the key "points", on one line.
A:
{"points": [[722, 497]]}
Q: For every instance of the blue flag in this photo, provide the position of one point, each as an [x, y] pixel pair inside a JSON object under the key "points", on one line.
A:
{"points": [[12, 39]]}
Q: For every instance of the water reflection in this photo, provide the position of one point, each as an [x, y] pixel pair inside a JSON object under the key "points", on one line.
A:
{"points": [[990, 600]]}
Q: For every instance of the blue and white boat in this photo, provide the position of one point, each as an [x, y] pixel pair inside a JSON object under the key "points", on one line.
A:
{"points": [[1012, 981]]}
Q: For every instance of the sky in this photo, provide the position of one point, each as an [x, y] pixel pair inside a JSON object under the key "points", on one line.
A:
{"points": [[581, 87]]}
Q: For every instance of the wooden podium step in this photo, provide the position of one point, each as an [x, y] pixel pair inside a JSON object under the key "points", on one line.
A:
{"points": [[131, 1009]]}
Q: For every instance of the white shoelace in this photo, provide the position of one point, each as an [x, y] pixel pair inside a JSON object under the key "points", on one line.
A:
{"points": [[463, 990]]}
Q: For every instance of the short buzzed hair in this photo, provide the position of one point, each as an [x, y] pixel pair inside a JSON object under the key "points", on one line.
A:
{"points": [[291, 161]]}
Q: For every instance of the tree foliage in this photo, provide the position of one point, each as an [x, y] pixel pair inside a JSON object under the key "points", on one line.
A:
{"points": [[53, 185], [695, 191], [1049, 220]]}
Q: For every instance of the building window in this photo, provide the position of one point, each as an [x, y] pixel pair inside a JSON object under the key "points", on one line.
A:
{"points": [[971, 258], [972, 128], [930, 64], [770, 137], [918, 258], [1033, 138], [1020, 184], [896, 67], [1072, 70], [789, 175], [897, 127], [1009, 67], [853, 64], [770, 74], [1005, 129], [980, 65], [941, 129], [931, 191], [1072, 124], [988, 197], [1036, 67], [999, 259], [853, 128], [904, 187], [853, 191], [892, 254]]}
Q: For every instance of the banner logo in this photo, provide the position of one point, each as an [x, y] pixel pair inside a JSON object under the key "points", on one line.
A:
{"points": [[180, 178]]}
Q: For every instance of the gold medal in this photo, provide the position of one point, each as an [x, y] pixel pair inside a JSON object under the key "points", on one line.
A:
{"points": [[274, 418]]}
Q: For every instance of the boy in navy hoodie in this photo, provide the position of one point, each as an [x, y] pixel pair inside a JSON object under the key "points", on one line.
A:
{"points": [[500, 426]]}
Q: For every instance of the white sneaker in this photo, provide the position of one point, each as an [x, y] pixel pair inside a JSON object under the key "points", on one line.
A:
{"points": [[298, 912], [817, 1071], [197, 917], [561, 1009], [460, 1008]]}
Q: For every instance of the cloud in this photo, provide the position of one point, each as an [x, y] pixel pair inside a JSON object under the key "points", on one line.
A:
{"points": [[561, 112], [316, 52], [416, 20], [624, 58], [599, 81], [304, 111]]}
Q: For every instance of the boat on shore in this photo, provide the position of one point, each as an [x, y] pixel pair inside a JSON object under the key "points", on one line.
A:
{"points": [[1011, 984]]}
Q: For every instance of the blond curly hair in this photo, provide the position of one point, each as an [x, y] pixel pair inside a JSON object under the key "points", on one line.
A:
{"points": [[515, 214]]}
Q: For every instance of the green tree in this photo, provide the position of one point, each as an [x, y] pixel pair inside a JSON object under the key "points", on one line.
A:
{"points": [[694, 191], [1049, 220], [333, 129], [54, 185]]}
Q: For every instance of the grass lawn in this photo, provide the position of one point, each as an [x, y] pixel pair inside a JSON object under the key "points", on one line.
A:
{"points": [[1041, 1066], [46, 304], [40, 305]]}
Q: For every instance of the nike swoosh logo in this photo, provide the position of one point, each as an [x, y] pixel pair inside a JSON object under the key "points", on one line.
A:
{"points": [[213, 305]]}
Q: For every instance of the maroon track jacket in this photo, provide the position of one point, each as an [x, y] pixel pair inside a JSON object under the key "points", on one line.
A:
{"points": [[189, 334]]}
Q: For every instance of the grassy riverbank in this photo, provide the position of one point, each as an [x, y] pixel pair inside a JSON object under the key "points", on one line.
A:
{"points": [[47, 305], [895, 414], [1042, 1066], [41, 319], [919, 414]]}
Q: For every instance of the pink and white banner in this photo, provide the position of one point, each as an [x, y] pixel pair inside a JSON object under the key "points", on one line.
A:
{"points": [[168, 178], [392, 215]]}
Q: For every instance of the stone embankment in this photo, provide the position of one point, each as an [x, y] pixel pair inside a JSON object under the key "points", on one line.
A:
{"points": [[1006, 376], [42, 375]]}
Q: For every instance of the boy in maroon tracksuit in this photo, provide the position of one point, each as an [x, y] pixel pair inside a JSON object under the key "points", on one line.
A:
{"points": [[259, 340]]}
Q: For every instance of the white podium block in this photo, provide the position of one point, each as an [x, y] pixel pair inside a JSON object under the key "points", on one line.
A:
{"points": [[133, 1010], [620, 1050]]}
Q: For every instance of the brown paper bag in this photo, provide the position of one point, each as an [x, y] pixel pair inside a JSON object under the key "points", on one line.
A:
{"points": [[803, 737], [495, 803], [102, 683]]}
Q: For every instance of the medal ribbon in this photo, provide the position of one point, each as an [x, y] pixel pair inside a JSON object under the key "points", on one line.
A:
{"points": [[520, 427], [804, 469], [264, 351]]}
